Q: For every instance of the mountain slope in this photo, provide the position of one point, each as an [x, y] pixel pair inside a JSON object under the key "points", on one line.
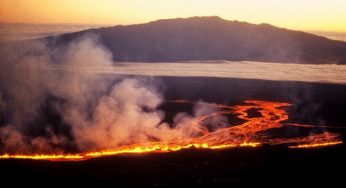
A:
{"points": [[212, 38]]}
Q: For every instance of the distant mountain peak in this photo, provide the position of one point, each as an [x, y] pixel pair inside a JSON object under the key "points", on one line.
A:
{"points": [[213, 38], [214, 18], [190, 19]]}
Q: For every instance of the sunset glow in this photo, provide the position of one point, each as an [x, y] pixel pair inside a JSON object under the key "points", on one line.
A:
{"points": [[323, 15]]}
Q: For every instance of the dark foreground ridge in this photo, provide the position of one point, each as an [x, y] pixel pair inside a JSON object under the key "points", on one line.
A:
{"points": [[212, 38], [264, 166]]}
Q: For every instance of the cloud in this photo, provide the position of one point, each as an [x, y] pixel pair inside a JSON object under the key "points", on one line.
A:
{"points": [[322, 73]]}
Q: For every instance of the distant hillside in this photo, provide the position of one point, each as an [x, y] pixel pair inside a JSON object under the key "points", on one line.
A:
{"points": [[212, 38]]}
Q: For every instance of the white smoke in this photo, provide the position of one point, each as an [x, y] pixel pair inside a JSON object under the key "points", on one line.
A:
{"points": [[100, 111], [27, 83], [202, 109], [193, 125], [12, 139], [127, 115]]}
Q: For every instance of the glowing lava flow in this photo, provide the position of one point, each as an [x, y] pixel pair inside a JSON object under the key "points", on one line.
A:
{"points": [[251, 133], [315, 145]]}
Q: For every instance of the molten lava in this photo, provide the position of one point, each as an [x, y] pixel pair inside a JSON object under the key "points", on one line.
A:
{"points": [[252, 133]]}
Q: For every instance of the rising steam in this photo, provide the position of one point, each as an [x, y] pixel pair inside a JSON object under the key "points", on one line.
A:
{"points": [[46, 110]]}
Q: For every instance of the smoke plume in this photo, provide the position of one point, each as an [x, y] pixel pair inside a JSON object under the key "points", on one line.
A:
{"points": [[43, 109]]}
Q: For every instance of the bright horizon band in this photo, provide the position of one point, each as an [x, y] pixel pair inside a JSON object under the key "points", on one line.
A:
{"points": [[321, 15]]}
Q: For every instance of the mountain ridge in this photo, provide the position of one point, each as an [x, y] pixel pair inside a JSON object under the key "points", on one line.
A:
{"points": [[212, 38]]}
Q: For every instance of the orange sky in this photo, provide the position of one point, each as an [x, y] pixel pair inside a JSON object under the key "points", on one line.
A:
{"points": [[324, 15]]}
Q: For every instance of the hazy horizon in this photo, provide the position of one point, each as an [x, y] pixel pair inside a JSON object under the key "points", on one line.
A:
{"points": [[298, 15], [24, 31]]}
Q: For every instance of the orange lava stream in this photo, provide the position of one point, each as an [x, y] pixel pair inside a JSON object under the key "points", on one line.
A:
{"points": [[316, 145], [251, 133]]}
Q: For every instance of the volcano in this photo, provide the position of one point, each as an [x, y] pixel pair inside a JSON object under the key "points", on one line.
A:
{"points": [[211, 38], [70, 111]]}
